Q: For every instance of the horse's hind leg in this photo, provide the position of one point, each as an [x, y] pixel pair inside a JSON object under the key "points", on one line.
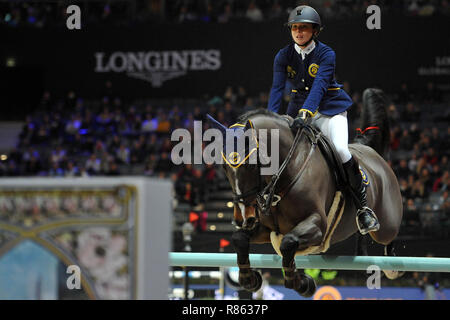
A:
{"points": [[249, 279], [307, 233], [391, 274]]}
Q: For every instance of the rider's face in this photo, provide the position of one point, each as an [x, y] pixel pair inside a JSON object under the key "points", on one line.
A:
{"points": [[301, 32]]}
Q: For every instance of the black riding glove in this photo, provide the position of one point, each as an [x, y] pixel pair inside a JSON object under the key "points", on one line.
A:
{"points": [[301, 120]]}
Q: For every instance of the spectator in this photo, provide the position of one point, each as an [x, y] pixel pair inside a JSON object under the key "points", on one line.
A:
{"points": [[229, 96], [188, 196], [163, 123], [431, 156], [164, 164], [199, 187], [241, 97], [113, 169], [43, 133], [149, 124], [198, 114], [425, 180], [413, 162], [73, 125], [186, 15], [276, 12], [444, 202], [442, 183], [55, 170], [435, 172], [249, 105], [153, 146], [254, 13], [84, 173], [123, 154], [402, 170], [58, 154], [226, 15], [395, 141], [419, 192], [405, 142], [93, 165], [71, 170], [137, 154], [99, 148], [405, 190], [150, 165], [114, 143], [230, 114]]}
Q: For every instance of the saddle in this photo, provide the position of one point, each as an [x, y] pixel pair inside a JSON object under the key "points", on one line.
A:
{"points": [[330, 154], [332, 158]]}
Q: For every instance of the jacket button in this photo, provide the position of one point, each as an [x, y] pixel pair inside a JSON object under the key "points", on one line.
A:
{"points": [[306, 88], [303, 80]]}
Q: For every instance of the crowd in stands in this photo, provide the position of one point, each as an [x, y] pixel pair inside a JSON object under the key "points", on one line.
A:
{"points": [[71, 137], [123, 12]]}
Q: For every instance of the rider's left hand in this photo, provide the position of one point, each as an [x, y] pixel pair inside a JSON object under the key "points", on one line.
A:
{"points": [[301, 120]]}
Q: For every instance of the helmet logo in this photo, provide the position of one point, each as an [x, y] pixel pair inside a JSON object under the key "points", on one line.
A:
{"points": [[299, 12]]}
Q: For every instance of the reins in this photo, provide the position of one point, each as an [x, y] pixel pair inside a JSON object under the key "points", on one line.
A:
{"points": [[265, 198]]}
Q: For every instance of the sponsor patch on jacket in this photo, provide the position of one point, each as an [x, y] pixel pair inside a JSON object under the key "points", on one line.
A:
{"points": [[312, 69], [290, 72]]}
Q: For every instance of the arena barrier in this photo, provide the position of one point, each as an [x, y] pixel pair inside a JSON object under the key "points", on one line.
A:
{"points": [[53, 224], [419, 264]]}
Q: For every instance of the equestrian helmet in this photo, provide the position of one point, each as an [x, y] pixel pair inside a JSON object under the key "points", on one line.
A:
{"points": [[304, 14]]}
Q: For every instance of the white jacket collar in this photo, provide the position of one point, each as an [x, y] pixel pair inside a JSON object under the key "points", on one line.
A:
{"points": [[307, 50]]}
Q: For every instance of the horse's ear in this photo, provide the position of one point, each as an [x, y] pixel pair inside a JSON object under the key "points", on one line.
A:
{"points": [[249, 125], [216, 124]]}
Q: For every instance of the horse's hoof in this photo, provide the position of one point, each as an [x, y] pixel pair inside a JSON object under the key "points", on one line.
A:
{"points": [[393, 274], [307, 286], [252, 281]]}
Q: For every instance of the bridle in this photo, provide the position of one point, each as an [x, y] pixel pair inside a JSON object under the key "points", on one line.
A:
{"points": [[265, 196]]}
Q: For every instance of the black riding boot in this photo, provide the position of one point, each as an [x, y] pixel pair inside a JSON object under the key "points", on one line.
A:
{"points": [[366, 219]]}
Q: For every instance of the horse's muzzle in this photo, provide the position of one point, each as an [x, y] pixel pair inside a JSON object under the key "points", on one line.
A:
{"points": [[249, 224]]}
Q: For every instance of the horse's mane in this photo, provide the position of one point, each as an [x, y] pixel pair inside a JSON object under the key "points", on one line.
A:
{"points": [[244, 117]]}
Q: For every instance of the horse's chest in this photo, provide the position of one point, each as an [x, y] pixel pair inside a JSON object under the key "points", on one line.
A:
{"points": [[275, 218]]}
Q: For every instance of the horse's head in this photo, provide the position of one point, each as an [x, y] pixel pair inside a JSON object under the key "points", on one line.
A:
{"points": [[242, 162]]}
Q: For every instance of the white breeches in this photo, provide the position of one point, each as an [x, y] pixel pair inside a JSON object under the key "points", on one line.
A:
{"points": [[335, 128]]}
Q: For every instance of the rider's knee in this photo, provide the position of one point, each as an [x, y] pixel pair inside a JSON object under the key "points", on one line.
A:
{"points": [[343, 152]]}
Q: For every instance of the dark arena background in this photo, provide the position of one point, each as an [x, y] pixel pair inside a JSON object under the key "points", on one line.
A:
{"points": [[91, 202]]}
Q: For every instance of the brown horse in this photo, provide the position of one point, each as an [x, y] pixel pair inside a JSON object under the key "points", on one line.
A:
{"points": [[293, 208]]}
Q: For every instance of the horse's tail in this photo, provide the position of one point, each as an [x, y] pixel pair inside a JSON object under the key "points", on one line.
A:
{"points": [[374, 131]]}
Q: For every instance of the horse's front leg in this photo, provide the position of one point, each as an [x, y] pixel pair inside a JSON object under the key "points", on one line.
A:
{"points": [[306, 234], [249, 279]]}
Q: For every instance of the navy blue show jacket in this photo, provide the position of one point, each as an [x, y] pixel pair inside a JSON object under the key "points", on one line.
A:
{"points": [[313, 80]]}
